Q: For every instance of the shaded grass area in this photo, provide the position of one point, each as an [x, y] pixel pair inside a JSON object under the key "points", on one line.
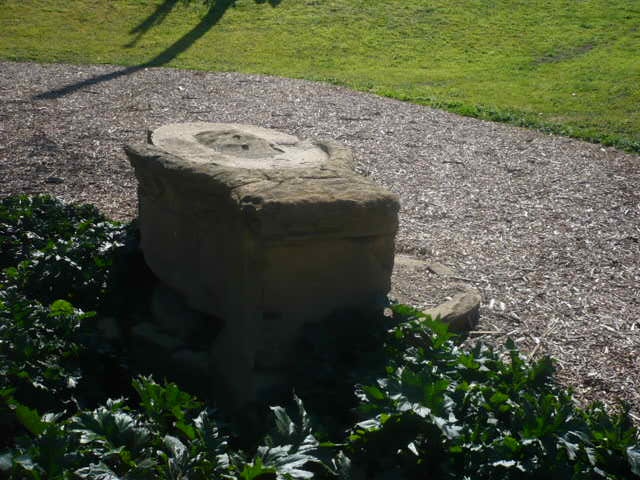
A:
{"points": [[558, 65]]}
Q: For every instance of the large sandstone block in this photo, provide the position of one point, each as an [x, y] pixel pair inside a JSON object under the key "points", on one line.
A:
{"points": [[263, 230]]}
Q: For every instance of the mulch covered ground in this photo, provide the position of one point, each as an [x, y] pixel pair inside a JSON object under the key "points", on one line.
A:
{"points": [[546, 227]]}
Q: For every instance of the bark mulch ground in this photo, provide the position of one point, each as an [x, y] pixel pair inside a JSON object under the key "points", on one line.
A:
{"points": [[546, 227]]}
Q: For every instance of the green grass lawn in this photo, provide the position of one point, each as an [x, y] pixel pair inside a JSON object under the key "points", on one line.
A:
{"points": [[567, 66]]}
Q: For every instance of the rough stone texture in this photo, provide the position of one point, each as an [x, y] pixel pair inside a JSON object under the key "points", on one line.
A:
{"points": [[109, 328], [462, 312], [237, 146], [151, 336], [156, 350], [173, 316], [427, 283], [265, 249], [194, 363], [450, 297]]}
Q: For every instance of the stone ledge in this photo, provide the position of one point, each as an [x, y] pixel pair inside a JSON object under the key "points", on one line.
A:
{"points": [[462, 312], [330, 199], [447, 296]]}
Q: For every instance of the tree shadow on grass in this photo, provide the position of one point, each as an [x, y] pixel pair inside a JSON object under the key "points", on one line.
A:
{"points": [[156, 18], [217, 9]]}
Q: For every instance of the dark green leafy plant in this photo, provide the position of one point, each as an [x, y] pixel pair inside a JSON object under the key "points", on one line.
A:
{"points": [[426, 408], [167, 406], [54, 251], [329, 366], [451, 413], [51, 253], [115, 441], [27, 224]]}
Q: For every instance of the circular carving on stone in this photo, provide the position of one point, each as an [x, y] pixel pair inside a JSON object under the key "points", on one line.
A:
{"points": [[238, 146], [237, 143]]}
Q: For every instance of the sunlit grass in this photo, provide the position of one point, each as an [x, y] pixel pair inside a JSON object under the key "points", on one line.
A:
{"points": [[565, 66]]}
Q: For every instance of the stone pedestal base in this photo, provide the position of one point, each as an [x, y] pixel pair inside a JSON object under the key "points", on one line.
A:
{"points": [[264, 231]]}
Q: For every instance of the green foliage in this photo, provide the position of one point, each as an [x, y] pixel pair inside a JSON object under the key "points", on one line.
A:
{"points": [[329, 366], [53, 251], [167, 405], [473, 413], [115, 441], [37, 353], [50, 253], [424, 407]]}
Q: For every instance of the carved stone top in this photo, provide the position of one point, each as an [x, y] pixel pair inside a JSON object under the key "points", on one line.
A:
{"points": [[284, 187], [237, 146]]}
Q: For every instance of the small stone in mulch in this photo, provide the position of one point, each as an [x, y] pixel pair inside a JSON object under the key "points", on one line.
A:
{"points": [[54, 180], [462, 312], [440, 269]]}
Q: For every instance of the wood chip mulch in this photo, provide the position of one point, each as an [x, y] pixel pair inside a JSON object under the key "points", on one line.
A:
{"points": [[546, 228]]}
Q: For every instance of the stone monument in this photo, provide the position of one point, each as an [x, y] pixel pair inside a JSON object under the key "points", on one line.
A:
{"points": [[264, 231]]}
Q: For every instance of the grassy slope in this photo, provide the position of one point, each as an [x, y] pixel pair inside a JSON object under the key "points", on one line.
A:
{"points": [[569, 66]]}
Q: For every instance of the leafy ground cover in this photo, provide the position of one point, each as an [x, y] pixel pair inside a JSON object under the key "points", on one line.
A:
{"points": [[558, 65], [405, 401]]}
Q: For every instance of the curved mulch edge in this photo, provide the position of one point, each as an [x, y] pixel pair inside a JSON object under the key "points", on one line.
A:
{"points": [[546, 228]]}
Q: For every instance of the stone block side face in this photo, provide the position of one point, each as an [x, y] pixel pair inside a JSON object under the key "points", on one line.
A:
{"points": [[317, 276], [326, 203], [306, 281], [185, 224], [212, 237]]}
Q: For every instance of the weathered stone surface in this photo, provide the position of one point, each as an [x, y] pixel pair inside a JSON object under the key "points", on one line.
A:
{"points": [[196, 362], [172, 314], [462, 312], [425, 283], [109, 328], [151, 335], [264, 231], [237, 146], [152, 348]]}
